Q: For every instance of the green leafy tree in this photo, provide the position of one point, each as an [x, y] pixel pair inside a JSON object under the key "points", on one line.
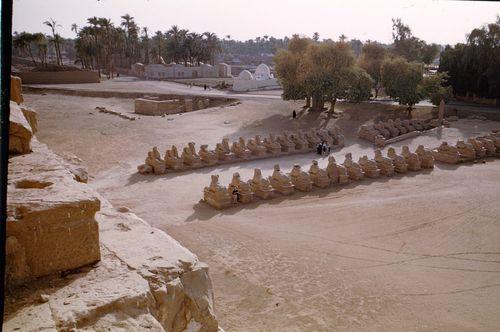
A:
{"points": [[434, 87], [410, 47], [401, 80], [372, 57]]}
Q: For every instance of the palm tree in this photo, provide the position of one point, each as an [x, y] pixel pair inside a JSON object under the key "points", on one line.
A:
{"points": [[145, 44], [52, 24], [213, 45], [23, 43]]}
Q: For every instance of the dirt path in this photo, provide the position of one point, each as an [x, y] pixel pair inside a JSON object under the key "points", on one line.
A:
{"points": [[420, 252]]}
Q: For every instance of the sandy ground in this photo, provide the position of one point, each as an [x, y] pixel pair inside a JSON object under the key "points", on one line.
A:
{"points": [[419, 252]]}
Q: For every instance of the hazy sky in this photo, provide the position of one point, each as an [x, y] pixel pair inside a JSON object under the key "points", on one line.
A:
{"points": [[444, 22]]}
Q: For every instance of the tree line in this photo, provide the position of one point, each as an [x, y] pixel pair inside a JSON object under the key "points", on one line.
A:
{"points": [[102, 45], [474, 67], [329, 70]]}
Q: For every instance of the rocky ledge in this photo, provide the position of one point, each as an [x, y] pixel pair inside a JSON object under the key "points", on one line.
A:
{"points": [[76, 262]]}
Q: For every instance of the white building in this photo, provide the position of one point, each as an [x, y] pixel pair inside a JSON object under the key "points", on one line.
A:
{"points": [[175, 70], [262, 79]]}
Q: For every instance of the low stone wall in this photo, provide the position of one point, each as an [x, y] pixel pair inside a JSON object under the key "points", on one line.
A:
{"points": [[60, 77], [150, 106]]}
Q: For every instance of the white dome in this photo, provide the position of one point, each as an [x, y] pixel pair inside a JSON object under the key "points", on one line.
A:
{"points": [[262, 72], [245, 75]]}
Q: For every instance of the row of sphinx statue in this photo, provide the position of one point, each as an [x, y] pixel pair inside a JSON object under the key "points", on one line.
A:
{"points": [[473, 149], [382, 131], [239, 191], [254, 148]]}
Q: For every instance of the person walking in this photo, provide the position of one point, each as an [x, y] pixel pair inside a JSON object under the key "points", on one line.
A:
{"points": [[294, 114]]}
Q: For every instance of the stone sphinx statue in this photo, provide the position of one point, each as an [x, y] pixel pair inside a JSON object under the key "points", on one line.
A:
{"points": [[489, 145], [412, 159], [280, 182], [189, 158], [223, 151], [192, 148], [399, 125], [446, 154], [399, 162], [407, 124], [389, 125], [353, 169], [260, 186], [312, 137], [325, 137], [301, 144], [369, 167], [417, 124], [318, 176], [256, 146], [337, 136], [368, 133], [172, 159], [336, 173], [425, 156], [300, 179], [384, 164], [216, 195], [382, 131], [478, 147], [207, 156], [272, 146], [466, 151], [154, 161], [310, 143], [240, 150], [245, 194], [287, 146]]}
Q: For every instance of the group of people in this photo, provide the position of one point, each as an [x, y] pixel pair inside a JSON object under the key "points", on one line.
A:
{"points": [[323, 148]]}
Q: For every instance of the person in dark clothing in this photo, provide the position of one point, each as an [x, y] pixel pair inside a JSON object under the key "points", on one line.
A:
{"points": [[319, 148], [294, 114], [237, 194], [204, 86], [324, 148]]}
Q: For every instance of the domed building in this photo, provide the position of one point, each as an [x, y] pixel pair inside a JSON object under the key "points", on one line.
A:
{"points": [[245, 75], [262, 79], [263, 72]]}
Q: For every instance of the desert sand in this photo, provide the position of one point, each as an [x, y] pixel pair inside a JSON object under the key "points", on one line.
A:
{"points": [[419, 252]]}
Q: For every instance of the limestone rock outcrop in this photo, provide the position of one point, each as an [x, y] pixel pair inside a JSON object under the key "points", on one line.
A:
{"points": [[51, 223], [16, 89], [20, 132]]}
